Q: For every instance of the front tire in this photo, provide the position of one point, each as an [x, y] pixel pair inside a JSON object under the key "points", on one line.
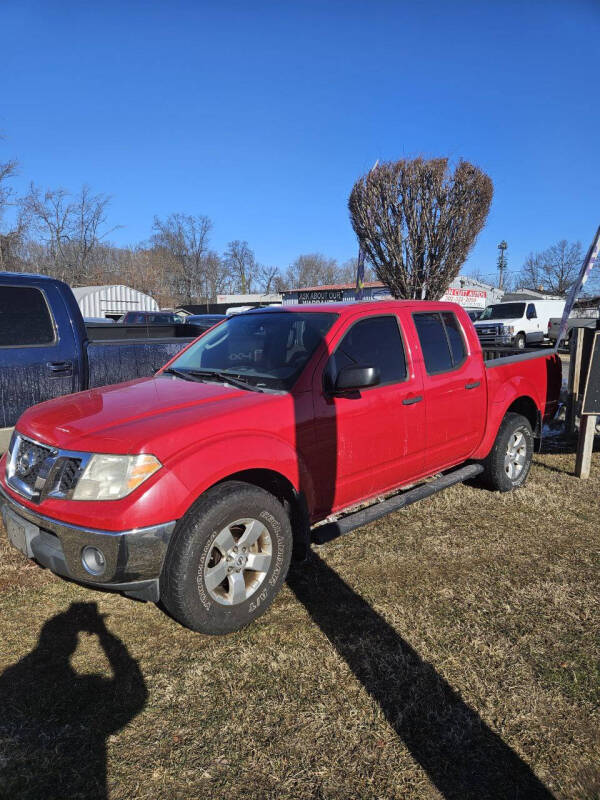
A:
{"points": [[227, 559], [507, 466], [520, 341]]}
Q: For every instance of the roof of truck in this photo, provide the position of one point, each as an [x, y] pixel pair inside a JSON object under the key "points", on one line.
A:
{"points": [[351, 306]]}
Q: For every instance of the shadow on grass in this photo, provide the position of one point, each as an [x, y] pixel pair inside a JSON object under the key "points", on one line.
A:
{"points": [[461, 755], [54, 721]]}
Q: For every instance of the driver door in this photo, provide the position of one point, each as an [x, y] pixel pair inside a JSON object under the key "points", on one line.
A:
{"points": [[367, 441]]}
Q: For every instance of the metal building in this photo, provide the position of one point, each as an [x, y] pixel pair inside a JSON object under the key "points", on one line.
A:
{"points": [[112, 301]]}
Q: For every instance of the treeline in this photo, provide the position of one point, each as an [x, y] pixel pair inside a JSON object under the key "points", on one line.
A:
{"points": [[68, 236]]}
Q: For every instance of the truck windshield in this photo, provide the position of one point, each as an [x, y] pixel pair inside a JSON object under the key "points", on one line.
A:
{"points": [[268, 349], [503, 311]]}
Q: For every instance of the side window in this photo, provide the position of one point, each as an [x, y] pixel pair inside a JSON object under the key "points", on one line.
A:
{"points": [[441, 341], [455, 337], [434, 342], [372, 342], [24, 317], [531, 312]]}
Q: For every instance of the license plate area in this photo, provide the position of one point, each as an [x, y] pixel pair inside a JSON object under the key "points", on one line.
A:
{"points": [[19, 531]]}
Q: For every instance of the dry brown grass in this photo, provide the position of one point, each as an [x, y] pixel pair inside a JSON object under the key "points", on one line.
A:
{"points": [[449, 650]]}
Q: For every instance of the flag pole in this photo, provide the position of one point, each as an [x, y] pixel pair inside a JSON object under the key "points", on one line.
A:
{"points": [[591, 259]]}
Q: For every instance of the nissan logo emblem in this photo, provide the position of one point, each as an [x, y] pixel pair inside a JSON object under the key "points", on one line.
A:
{"points": [[26, 462]]}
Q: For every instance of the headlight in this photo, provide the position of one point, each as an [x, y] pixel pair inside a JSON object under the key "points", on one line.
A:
{"points": [[510, 329], [113, 477]]}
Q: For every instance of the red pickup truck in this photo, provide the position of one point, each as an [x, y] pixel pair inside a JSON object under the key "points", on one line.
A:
{"points": [[194, 486]]}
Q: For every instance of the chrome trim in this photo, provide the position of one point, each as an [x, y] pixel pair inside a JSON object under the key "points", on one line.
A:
{"points": [[131, 555], [44, 486]]}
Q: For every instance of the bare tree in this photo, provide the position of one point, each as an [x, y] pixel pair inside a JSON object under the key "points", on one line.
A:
{"points": [[311, 269], [268, 278], [241, 263], [72, 228], [417, 222], [185, 239], [553, 270], [11, 238]]}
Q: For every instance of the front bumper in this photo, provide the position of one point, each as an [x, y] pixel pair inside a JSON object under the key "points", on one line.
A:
{"points": [[495, 340], [133, 559]]}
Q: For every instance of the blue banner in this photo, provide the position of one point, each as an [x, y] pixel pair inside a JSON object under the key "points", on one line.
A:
{"points": [[360, 274]]}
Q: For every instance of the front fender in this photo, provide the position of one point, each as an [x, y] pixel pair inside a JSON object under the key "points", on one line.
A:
{"points": [[216, 459]]}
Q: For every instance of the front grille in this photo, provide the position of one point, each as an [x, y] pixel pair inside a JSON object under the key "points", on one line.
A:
{"points": [[29, 460], [36, 470], [69, 475]]}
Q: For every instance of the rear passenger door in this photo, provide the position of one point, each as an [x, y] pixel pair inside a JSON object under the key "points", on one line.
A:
{"points": [[370, 440], [35, 363], [454, 390]]}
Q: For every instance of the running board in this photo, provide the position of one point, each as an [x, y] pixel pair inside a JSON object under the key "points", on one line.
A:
{"points": [[331, 530]]}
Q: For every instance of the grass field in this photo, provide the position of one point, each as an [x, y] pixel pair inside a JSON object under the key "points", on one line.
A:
{"points": [[450, 650]]}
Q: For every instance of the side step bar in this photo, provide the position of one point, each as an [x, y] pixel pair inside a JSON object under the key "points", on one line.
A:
{"points": [[331, 530]]}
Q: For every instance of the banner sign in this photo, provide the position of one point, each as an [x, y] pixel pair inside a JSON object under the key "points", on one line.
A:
{"points": [[592, 257], [470, 298], [321, 296]]}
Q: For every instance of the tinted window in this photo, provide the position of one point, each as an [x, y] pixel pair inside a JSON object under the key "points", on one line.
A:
{"points": [[24, 317], [457, 343], [504, 311], [434, 342], [266, 348], [531, 313], [374, 342]]}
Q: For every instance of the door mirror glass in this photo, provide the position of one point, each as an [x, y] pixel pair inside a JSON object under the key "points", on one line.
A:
{"points": [[356, 377]]}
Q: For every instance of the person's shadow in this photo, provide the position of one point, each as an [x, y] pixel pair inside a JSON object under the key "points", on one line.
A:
{"points": [[54, 721]]}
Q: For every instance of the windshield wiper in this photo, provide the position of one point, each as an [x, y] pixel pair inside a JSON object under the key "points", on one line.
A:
{"points": [[187, 376], [227, 378]]}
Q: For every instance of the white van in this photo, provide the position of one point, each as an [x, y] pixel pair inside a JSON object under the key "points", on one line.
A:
{"points": [[517, 323]]}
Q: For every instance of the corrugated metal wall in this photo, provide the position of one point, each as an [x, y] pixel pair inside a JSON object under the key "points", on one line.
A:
{"points": [[115, 300]]}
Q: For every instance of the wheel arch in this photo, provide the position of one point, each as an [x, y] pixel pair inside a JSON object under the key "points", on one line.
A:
{"points": [[526, 406], [280, 486]]}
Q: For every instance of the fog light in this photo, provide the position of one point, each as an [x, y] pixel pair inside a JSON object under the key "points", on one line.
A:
{"points": [[93, 560]]}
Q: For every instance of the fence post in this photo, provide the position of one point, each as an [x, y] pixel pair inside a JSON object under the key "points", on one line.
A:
{"points": [[585, 445], [574, 379]]}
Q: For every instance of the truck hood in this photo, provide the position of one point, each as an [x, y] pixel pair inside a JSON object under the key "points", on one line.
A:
{"points": [[147, 415]]}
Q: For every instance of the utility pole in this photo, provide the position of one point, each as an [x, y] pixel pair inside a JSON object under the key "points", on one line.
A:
{"points": [[502, 263]]}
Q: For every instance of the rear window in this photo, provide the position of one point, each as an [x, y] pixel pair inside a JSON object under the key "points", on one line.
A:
{"points": [[441, 341], [24, 317]]}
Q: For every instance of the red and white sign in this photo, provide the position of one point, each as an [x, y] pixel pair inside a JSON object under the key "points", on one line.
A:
{"points": [[470, 298]]}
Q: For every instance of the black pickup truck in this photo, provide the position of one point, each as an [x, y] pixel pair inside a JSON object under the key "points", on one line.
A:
{"points": [[46, 349]]}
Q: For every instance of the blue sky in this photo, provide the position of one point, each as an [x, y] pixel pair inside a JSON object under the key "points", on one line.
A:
{"points": [[262, 114]]}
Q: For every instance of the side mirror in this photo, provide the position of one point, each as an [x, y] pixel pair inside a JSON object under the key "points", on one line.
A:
{"points": [[353, 378]]}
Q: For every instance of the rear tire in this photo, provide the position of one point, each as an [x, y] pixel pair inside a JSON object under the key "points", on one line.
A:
{"points": [[507, 466], [227, 559]]}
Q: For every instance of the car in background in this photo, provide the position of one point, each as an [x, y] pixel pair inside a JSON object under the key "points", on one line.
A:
{"points": [[517, 324], [98, 321], [590, 321], [151, 318], [202, 322]]}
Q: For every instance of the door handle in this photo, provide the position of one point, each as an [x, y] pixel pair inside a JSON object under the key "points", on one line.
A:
{"points": [[409, 401], [473, 385], [60, 367]]}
